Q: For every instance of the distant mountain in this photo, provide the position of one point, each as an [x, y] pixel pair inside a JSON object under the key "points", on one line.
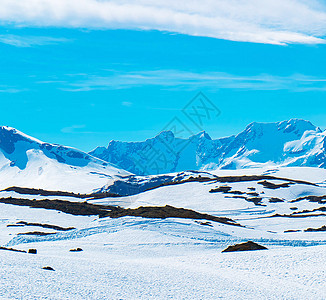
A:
{"points": [[289, 143], [28, 162]]}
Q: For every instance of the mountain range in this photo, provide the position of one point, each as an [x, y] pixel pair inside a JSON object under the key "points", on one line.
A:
{"points": [[288, 143], [294, 142], [67, 215]]}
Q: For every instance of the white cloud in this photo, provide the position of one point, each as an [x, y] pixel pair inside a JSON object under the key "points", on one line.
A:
{"points": [[261, 21], [29, 41], [10, 89], [73, 129], [126, 103], [177, 79]]}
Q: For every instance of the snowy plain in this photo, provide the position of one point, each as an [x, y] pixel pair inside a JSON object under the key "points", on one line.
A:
{"points": [[173, 258], [156, 259]]}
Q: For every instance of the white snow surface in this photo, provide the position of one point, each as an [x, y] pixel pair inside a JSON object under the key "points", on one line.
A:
{"points": [[28, 162], [142, 258], [132, 258]]}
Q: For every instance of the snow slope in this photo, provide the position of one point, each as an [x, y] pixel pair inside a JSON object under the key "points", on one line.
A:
{"points": [[289, 143], [28, 162], [144, 258], [250, 203], [150, 258]]}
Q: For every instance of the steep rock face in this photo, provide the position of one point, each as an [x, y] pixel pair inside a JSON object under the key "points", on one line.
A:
{"points": [[295, 143]]}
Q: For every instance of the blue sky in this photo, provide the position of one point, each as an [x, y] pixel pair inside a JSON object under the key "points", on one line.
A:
{"points": [[83, 85]]}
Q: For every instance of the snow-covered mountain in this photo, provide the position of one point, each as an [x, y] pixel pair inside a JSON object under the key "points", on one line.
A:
{"points": [[289, 143], [28, 162], [155, 232]]}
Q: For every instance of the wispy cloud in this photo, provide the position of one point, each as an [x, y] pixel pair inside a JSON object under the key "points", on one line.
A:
{"points": [[10, 89], [29, 41], [126, 103], [177, 79], [73, 129], [268, 21]]}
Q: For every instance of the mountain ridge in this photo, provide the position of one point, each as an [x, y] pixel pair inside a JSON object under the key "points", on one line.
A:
{"points": [[259, 144], [294, 142], [31, 163]]}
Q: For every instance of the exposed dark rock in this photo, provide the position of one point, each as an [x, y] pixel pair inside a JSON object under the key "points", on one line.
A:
{"points": [[41, 192], [292, 230], [221, 189], [235, 192], [259, 177], [190, 179], [317, 199], [32, 251], [247, 246], [39, 233], [237, 197], [76, 250], [12, 249], [73, 208], [253, 194], [204, 223], [226, 190], [87, 209], [55, 227], [298, 215], [305, 211], [273, 186], [323, 228], [275, 200], [48, 268], [163, 212], [256, 200]]}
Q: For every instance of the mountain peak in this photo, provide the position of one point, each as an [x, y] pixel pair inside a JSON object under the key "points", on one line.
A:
{"points": [[296, 126], [166, 135], [259, 144], [10, 135], [202, 135], [17, 148]]}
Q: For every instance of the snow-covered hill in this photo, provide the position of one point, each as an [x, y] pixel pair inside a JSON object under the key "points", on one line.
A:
{"points": [[289, 143], [28, 162], [153, 255]]}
